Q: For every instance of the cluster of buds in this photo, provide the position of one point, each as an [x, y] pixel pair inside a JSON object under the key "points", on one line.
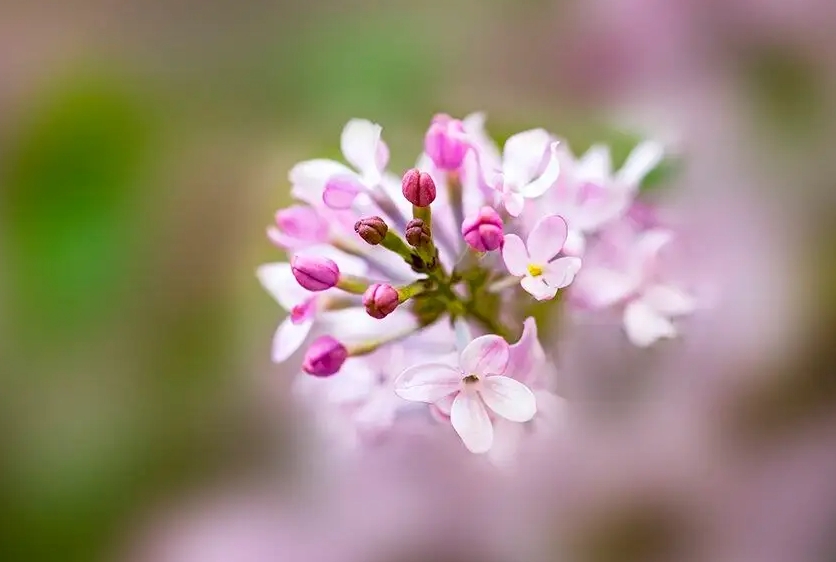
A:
{"points": [[452, 247]]}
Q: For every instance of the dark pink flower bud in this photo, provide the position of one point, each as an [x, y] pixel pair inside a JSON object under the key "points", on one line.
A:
{"points": [[483, 231], [315, 273], [446, 143], [417, 233], [324, 357], [380, 300], [371, 229], [418, 188]]}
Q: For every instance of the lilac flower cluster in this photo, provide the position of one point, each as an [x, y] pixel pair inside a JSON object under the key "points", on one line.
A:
{"points": [[412, 285]]}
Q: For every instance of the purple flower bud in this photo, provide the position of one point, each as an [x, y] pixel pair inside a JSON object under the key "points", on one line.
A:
{"points": [[417, 233], [380, 300], [418, 188], [371, 229], [324, 357], [483, 231], [315, 273], [445, 142]]}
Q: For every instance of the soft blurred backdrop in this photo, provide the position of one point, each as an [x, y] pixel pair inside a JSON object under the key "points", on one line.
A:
{"points": [[144, 147]]}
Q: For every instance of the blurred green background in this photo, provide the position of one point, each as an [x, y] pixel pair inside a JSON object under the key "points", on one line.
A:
{"points": [[143, 150]]}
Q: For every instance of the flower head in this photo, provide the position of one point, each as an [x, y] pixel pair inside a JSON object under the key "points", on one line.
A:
{"points": [[483, 231]]}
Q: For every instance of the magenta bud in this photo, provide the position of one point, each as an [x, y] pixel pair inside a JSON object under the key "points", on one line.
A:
{"points": [[445, 142], [380, 300], [371, 229], [324, 357], [417, 233], [418, 188], [483, 231], [315, 273]]}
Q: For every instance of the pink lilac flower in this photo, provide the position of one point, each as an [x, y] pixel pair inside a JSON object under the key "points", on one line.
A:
{"points": [[483, 231], [534, 262], [628, 276], [476, 385], [298, 227], [338, 184], [589, 196], [446, 142]]}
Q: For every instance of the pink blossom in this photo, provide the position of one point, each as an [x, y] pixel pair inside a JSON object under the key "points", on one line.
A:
{"points": [[475, 386], [590, 196], [446, 142], [337, 184], [542, 275], [632, 278], [483, 232]]}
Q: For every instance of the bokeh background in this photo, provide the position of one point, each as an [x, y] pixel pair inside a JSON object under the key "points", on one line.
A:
{"points": [[144, 147]]}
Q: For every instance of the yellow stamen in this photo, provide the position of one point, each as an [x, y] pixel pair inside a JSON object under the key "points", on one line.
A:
{"points": [[535, 270]]}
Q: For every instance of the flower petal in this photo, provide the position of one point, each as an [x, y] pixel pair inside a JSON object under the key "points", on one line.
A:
{"points": [[561, 272], [526, 355], [595, 165], [289, 337], [514, 202], [277, 279], [602, 287], [470, 420], [429, 382], [515, 255], [547, 238], [668, 300], [509, 398], [547, 179], [486, 355], [309, 177], [360, 145], [641, 161], [644, 326], [523, 155], [537, 288], [341, 190]]}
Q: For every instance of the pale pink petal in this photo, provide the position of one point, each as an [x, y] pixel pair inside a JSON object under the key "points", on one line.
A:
{"points": [[604, 287], [474, 127], [310, 176], [547, 179], [470, 420], [340, 191], [561, 272], [359, 142], [486, 355], [537, 288], [669, 300], [641, 161], [514, 203], [595, 165], [523, 155], [277, 279], [644, 326], [382, 159], [526, 355], [428, 383], [515, 255], [508, 398], [546, 239], [444, 405], [289, 337], [575, 244]]}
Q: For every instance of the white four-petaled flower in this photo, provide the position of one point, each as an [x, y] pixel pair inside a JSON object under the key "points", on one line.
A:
{"points": [[477, 387], [534, 262]]}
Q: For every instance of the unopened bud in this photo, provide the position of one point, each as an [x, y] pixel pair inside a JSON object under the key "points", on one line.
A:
{"points": [[417, 233], [315, 273], [445, 142], [324, 357], [381, 300], [483, 231], [371, 229], [418, 188]]}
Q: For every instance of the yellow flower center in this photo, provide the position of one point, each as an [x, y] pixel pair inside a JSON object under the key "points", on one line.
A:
{"points": [[535, 270]]}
